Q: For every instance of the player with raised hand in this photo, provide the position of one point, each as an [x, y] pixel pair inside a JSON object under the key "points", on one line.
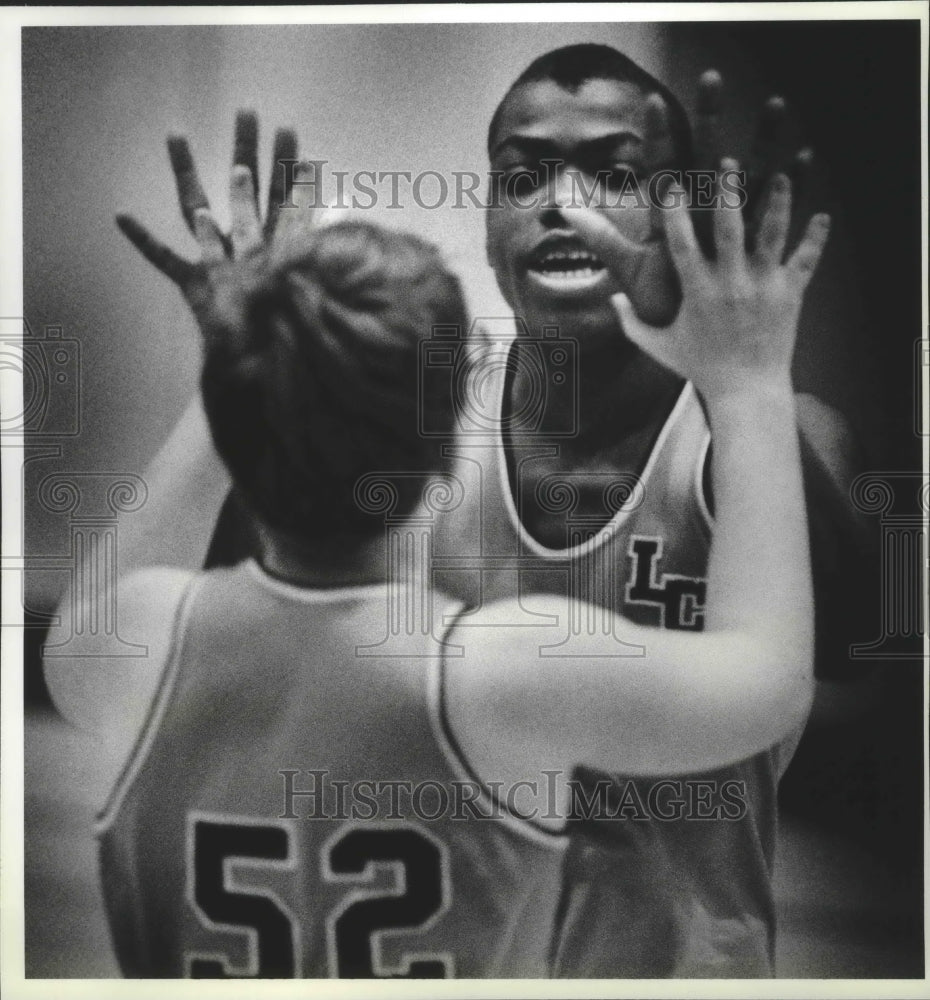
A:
{"points": [[676, 898], [709, 694], [254, 671], [186, 475]]}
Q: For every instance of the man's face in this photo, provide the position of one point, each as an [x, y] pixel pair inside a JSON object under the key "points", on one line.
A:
{"points": [[544, 271]]}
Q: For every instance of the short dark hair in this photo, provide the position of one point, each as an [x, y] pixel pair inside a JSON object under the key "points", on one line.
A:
{"points": [[310, 379], [573, 66]]}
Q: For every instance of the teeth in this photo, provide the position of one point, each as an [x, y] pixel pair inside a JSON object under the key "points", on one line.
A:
{"points": [[578, 272], [563, 255], [569, 264]]}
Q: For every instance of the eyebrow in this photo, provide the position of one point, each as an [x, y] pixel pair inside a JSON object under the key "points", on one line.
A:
{"points": [[537, 145]]}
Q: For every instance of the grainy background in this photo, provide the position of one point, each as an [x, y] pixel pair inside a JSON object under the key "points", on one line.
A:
{"points": [[97, 105]]}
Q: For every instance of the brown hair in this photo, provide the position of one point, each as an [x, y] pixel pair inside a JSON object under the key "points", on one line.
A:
{"points": [[310, 379]]}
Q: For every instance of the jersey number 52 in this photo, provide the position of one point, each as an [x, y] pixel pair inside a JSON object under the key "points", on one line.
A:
{"points": [[354, 929]]}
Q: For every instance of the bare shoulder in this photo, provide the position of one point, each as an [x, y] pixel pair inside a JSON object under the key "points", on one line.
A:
{"points": [[154, 587], [106, 693]]}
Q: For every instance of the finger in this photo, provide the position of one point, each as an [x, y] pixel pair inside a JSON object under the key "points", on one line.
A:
{"points": [[209, 237], [770, 147], [245, 146], [618, 253], [803, 262], [246, 229], [707, 120], [659, 186], [680, 237], [190, 192], [800, 174], [661, 154], [729, 235], [279, 189], [659, 147], [773, 230], [769, 155], [799, 171], [155, 252], [654, 341], [295, 221]]}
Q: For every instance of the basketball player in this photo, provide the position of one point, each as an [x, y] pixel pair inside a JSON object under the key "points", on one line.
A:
{"points": [[671, 899], [255, 672], [642, 899]]}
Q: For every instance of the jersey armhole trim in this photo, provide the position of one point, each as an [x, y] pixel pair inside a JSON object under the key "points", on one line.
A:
{"points": [[455, 756], [786, 749], [156, 712], [701, 473]]}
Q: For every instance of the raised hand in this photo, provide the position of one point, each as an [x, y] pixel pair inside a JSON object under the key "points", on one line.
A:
{"points": [[771, 154], [738, 319], [646, 268], [197, 279]]}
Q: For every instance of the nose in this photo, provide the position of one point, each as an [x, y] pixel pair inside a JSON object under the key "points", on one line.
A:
{"points": [[565, 188]]}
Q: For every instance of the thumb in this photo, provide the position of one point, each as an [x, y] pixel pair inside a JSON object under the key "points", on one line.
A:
{"points": [[156, 252], [619, 253], [655, 341], [633, 327]]}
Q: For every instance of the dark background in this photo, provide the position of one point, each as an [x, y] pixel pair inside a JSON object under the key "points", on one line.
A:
{"points": [[854, 88]]}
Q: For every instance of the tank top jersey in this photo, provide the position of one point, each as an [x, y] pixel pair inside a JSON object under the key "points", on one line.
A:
{"points": [[294, 808], [644, 895]]}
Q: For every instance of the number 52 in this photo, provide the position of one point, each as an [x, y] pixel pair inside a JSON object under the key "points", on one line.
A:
{"points": [[354, 929]]}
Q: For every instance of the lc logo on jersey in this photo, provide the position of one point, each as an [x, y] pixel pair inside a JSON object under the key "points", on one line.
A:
{"points": [[680, 599]]}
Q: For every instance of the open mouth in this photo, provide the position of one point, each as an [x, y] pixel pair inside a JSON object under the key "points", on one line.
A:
{"points": [[567, 268]]}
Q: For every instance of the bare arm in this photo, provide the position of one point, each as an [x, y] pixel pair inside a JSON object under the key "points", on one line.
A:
{"points": [[111, 696], [695, 700], [187, 483], [844, 554]]}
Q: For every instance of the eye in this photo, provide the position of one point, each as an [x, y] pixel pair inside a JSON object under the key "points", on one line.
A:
{"points": [[621, 177], [519, 181]]}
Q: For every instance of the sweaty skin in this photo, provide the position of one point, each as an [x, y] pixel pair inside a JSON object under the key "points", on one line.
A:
{"points": [[623, 394]]}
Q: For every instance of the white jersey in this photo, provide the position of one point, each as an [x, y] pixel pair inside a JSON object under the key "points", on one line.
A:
{"points": [[678, 898], [295, 806]]}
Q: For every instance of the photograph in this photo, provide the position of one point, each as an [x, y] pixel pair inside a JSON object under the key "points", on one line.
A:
{"points": [[465, 498]]}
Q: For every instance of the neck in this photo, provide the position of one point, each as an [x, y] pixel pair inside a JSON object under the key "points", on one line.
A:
{"points": [[339, 560], [618, 389]]}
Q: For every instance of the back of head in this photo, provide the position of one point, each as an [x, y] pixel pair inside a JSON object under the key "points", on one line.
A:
{"points": [[310, 379], [573, 66]]}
